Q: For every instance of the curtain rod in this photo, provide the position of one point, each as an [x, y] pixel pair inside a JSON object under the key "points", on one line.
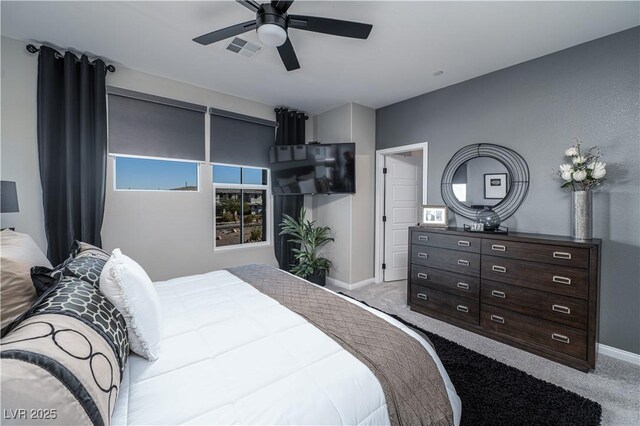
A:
{"points": [[32, 49]]}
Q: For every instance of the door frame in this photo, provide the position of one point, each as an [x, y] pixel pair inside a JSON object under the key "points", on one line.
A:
{"points": [[379, 232]]}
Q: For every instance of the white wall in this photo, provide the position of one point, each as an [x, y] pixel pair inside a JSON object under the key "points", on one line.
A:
{"points": [[18, 138], [169, 234], [350, 216]]}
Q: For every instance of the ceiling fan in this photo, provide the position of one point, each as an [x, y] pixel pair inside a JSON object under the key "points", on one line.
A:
{"points": [[272, 22]]}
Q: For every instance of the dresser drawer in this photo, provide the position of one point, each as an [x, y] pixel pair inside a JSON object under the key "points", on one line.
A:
{"points": [[454, 242], [557, 255], [526, 329], [450, 260], [445, 304], [554, 278], [550, 306], [461, 285]]}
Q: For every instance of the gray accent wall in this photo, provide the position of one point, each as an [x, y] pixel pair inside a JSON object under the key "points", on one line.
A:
{"points": [[590, 91]]}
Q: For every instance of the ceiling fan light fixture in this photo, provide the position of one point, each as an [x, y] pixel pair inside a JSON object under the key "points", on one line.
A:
{"points": [[272, 35]]}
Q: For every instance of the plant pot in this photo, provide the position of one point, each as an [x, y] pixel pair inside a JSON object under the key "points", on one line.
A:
{"points": [[319, 278], [582, 228]]}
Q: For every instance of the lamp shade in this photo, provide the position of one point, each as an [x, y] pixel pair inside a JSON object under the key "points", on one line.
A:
{"points": [[8, 197]]}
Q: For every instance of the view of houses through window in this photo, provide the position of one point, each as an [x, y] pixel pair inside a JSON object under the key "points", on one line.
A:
{"points": [[240, 201]]}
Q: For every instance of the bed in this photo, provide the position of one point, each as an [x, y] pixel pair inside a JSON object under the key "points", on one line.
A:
{"points": [[246, 345], [233, 352]]}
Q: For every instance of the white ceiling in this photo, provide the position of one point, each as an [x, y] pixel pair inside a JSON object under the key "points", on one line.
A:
{"points": [[409, 42]]}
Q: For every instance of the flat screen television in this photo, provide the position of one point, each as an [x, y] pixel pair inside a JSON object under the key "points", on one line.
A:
{"points": [[313, 169]]}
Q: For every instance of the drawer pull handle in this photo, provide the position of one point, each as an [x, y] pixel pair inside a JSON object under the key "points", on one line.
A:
{"points": [[500, 294], [423, 238], [423, 255], [500, 269], [497, 318], [462, 308], [560, 338], [422, 296], [561, 280], [463, 262], [463, 285], [498, 247], [463, 243], [561, 255], [423, 276], [561, 309]]}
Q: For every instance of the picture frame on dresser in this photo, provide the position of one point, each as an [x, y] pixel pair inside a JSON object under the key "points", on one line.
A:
{"points": [[536, 292], [434, 216]]}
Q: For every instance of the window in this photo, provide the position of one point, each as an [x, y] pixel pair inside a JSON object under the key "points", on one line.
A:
{"points": [[240, 196], [144, 174]]}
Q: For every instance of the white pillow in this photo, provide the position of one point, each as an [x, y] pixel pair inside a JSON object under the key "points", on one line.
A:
{"points": [[130, 289]]}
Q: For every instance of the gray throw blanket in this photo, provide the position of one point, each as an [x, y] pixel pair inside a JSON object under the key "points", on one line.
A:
{"points": [[412, 385]]}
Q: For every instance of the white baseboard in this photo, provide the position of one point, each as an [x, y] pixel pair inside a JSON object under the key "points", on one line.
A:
{"points": [[619, 354], [347, 286]]}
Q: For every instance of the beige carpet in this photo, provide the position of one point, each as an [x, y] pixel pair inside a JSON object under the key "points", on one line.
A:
{"points": [[614, 384]]}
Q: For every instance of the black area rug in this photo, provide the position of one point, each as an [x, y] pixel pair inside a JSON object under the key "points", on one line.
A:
{"points": [[494, 393]]}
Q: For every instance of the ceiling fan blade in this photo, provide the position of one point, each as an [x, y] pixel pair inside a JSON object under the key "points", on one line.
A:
{"points": [[282, 6], [225, 33], [330, 26], [288, 56], [250, 4]]}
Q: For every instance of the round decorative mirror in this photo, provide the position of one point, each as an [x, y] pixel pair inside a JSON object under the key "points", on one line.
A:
{"points": [[485, 175]]}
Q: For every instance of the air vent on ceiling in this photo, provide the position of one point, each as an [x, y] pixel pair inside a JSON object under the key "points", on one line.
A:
{"points": [[244, 47]]}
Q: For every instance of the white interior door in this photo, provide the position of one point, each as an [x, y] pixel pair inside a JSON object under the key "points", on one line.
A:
{"points": [[403, 196]]}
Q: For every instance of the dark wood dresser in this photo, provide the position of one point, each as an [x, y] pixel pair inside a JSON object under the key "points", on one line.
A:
{"points": [[536, 292]]}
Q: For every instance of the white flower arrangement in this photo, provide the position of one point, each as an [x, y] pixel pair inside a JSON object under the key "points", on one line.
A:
{"points": [[585, 170]]}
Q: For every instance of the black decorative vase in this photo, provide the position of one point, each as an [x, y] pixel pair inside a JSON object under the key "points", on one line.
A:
{"points": [[489, 219], [319, 278]]}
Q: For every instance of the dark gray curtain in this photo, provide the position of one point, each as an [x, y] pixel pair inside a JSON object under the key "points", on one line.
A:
{"points": [[291, 127], [72, 148]]}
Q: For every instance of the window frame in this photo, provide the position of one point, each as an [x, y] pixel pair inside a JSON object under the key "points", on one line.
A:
{"points": [[142, 157], [268, 199]]}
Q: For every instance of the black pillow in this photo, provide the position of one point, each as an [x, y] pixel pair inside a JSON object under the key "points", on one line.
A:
{"points": [[88, 269]]}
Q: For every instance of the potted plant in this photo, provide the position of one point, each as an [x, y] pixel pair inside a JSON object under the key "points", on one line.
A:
{"points": [[312, 265]]}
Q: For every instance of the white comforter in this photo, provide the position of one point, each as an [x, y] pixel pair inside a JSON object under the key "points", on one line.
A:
{"points": [[231, 355]]}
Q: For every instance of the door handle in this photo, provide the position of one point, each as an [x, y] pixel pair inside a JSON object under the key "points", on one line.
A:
{"points": [[423, 255], [422, 296], [423, 276], [463, 262], [423, 237], [500, 269], [463, 243], [462, 308], [498, 247], [464, 286]]}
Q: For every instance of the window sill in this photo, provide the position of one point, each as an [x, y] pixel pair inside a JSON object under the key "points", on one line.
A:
{"points": [[245, 246]]}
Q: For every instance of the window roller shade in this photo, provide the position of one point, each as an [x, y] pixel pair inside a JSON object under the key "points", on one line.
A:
{"points": [[150, 126], [240, 139]]}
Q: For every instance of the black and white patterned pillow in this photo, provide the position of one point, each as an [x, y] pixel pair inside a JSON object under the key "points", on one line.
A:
{"points": [[80, 299], [87, 268]]}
